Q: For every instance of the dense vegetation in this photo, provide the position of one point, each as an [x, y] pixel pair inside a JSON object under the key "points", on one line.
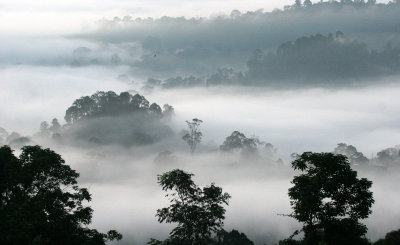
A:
{"points": [[41, 203], [315, 59]]}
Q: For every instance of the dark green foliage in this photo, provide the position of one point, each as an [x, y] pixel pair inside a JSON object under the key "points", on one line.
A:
{"points": [[198, 212], [329, 199], [108, 104], [231, 238], [41, 202], [123, 119], [290, 242], [391, 238]]}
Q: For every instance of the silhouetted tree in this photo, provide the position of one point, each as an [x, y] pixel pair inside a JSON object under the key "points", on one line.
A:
{"points": [[108, 104], [237, 141], [198, 212], [41, 203], [193, 136], [391, 238], [329, 199], [155, 109], [232, 238]]}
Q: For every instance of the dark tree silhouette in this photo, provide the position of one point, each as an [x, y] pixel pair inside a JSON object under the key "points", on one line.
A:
{"points": [[198, 212], [329, 199], [391, 238], [41, 203], [237, 141], [193, 136], [108, 103], [125, 119], [232, 238]]}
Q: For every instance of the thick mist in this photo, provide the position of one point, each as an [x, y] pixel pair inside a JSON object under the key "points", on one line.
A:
{"points": [[123, 179], [291, 79]]}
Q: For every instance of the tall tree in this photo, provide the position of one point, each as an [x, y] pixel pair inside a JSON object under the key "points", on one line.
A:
{"points": [[329, 199], [198, 212], [193, 136], [41, 203]]}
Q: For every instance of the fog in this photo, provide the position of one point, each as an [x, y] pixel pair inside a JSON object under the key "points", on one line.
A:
{"points": [[265, 73], [123, 180]]}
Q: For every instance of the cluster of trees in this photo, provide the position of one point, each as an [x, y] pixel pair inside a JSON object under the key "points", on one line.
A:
{"points": [[298, 4], [106, 117], [238, 142], [386, 157], [14, 139], [315, 59], [354, 156], [327, 198], [109, 103], [319, 57], [41, 203]]}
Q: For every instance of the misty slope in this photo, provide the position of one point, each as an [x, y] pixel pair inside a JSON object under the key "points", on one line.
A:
{"points": [[108, 118], [197, 46], [315, 60]]}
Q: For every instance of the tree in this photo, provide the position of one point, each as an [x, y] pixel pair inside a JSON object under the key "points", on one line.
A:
{"points": [[41, 203], [351, 153], [391, 238], [329, 199], [389, 156], [193, 137], [232, 238], [55, 126], [198, 212], [237, 141], [168, 111], [154, 108]]}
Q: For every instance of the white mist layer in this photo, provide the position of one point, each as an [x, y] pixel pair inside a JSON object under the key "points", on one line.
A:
{"points": [[123, 182]]}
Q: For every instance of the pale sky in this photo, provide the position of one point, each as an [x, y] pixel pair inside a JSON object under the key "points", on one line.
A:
{"points": [[38, 17]]}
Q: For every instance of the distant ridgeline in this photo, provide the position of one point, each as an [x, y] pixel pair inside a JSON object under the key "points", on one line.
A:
{"points": [[105, 118], [310, 60]]}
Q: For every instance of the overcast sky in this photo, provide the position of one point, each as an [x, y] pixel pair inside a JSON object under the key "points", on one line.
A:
{"points": [[22, 17]]}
